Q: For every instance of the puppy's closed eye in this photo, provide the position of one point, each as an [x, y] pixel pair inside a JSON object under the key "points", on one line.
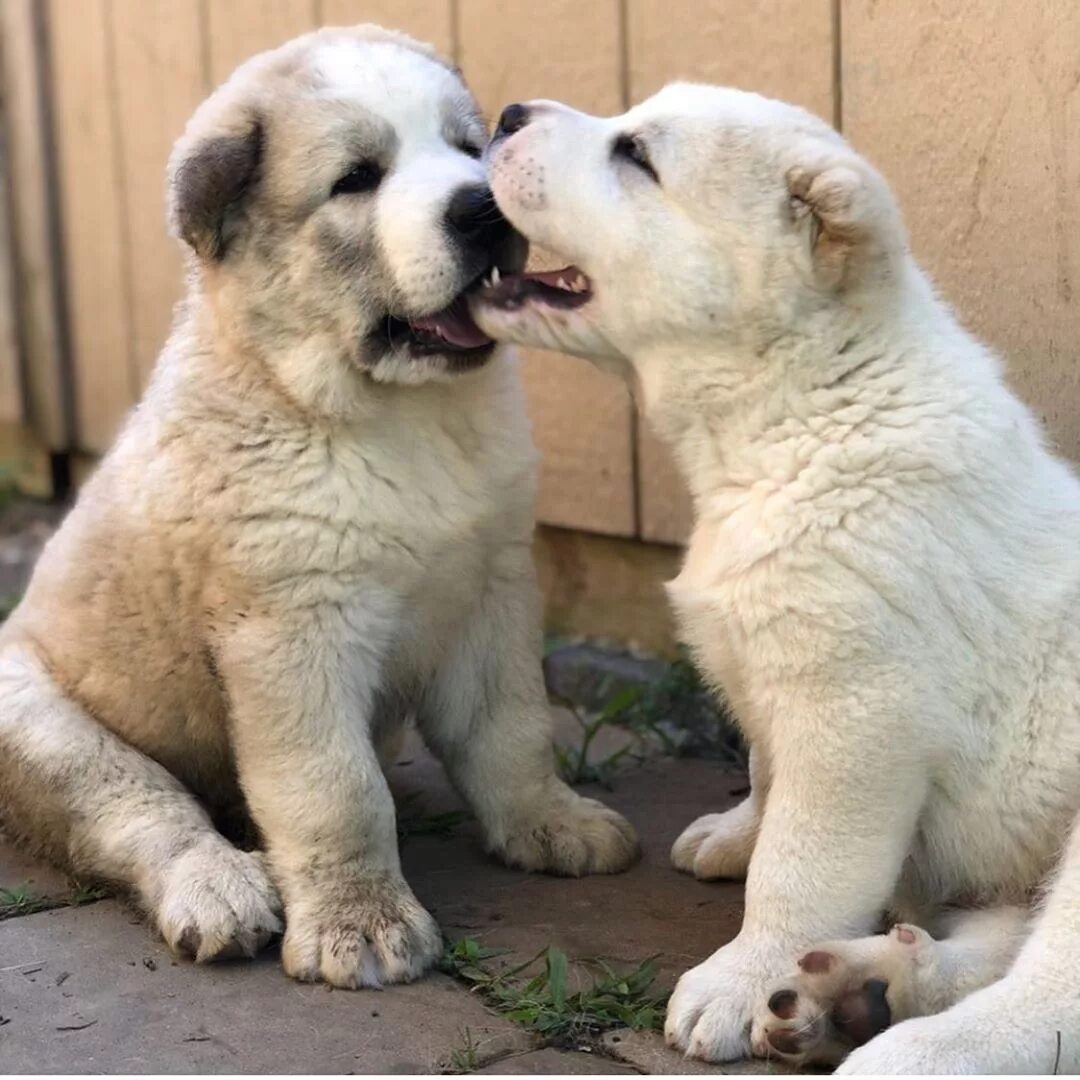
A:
{"points": [[364, 176], [632, 148]]}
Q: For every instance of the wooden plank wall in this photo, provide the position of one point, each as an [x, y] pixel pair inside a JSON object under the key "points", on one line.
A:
{"points": [[986, 167], [32, 254]]}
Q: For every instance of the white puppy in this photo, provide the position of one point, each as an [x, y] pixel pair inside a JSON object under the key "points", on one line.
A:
{"points": [[884, 577], [317, 521]]}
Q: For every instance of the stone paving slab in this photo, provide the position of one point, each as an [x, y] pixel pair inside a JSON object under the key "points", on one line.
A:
{"points": [[108, 997], [89, 990], [645, 1052], [551, 1062]]}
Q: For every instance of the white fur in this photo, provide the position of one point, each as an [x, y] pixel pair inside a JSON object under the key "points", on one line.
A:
{"points": [[884, 572]]}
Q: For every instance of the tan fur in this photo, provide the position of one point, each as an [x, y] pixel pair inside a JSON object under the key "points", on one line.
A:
{"points": [[301, 536]]}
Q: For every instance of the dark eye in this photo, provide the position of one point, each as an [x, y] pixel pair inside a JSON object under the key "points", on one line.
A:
{"points": [[633, 149], [471, 149], [363, 176]]}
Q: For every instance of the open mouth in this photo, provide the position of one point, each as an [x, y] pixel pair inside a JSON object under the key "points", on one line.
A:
{"points": [[567, 288], [451, 330], [454, 334]]}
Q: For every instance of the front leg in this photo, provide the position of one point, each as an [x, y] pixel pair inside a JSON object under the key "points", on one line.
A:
{"points": [[721, 845], [301, 688], [486, 716], [846, 788]]}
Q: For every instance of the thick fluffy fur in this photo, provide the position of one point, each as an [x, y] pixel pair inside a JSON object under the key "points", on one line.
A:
{"points": [[302, 535], [884, 577]]}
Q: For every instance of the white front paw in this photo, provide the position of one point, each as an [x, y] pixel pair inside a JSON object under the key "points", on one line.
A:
{"points": [[216, 902], [365, 932], [570, 835], [709, 1013]]}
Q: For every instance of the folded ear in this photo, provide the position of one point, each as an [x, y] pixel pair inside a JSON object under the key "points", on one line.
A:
{"points": [[208, 179], [846, 217]]}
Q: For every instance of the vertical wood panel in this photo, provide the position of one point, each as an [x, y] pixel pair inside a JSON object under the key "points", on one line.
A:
{"points": [[428, 20], [158, 51], [10, 392], [32, 224], [238, 29], [781, 48], [91, 217], [582, 418], [971, 108]]}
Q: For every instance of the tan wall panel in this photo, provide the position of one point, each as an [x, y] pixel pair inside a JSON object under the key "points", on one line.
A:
{"points": [[607, 587], [583, 419], [10, 392], [428, 20], [971, 108], [782, 48], [238, 29], [157, 45], [31, 225], [91, 217]]}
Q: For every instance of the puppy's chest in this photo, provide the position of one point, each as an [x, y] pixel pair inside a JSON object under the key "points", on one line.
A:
{"points": [[340, 516]]}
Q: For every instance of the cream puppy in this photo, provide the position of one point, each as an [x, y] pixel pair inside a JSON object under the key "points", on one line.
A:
{"points": [[317, 521], [884, 577]]}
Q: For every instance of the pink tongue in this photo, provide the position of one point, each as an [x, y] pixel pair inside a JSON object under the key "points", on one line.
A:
{"points": [[455, 324]]}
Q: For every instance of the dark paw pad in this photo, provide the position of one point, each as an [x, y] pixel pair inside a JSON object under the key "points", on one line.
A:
{"points": [[784, 1004], [861, 1014]]}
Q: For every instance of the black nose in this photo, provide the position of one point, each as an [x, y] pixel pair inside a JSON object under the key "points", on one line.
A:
{"points": [[514, 118], [472, 210]]}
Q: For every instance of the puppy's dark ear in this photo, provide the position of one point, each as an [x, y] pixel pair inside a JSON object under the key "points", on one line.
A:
{"points": [[850, 217], [208, 180]]}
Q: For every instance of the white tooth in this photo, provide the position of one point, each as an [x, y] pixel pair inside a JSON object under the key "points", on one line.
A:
{"points": [[580, 284], [495, 276], [561, 282]]}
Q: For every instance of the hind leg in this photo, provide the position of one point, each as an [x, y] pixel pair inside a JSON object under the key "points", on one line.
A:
{"points": [[91, 801], [844, 993], [1026, 1022]]}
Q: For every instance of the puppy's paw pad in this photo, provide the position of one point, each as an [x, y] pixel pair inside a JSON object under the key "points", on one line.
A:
{"points": [[842, 995], [573, 836], [217, 902], [368, 934], [714, 846]]}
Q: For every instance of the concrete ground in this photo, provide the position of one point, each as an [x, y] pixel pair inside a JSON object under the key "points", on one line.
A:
{"points": [[89, 988]]}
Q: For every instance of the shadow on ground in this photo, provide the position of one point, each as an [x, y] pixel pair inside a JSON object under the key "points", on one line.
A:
{"points": [[90, 989], [86, 986]]}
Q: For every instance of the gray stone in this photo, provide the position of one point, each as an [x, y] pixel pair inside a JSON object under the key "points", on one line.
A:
{"points": [[552, 1062], [27, 525], [645, 1052], [91, 989], [590, 675]]}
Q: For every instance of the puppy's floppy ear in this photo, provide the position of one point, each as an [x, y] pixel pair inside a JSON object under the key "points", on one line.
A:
{"points": [[208, 179], [848, 220]]}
